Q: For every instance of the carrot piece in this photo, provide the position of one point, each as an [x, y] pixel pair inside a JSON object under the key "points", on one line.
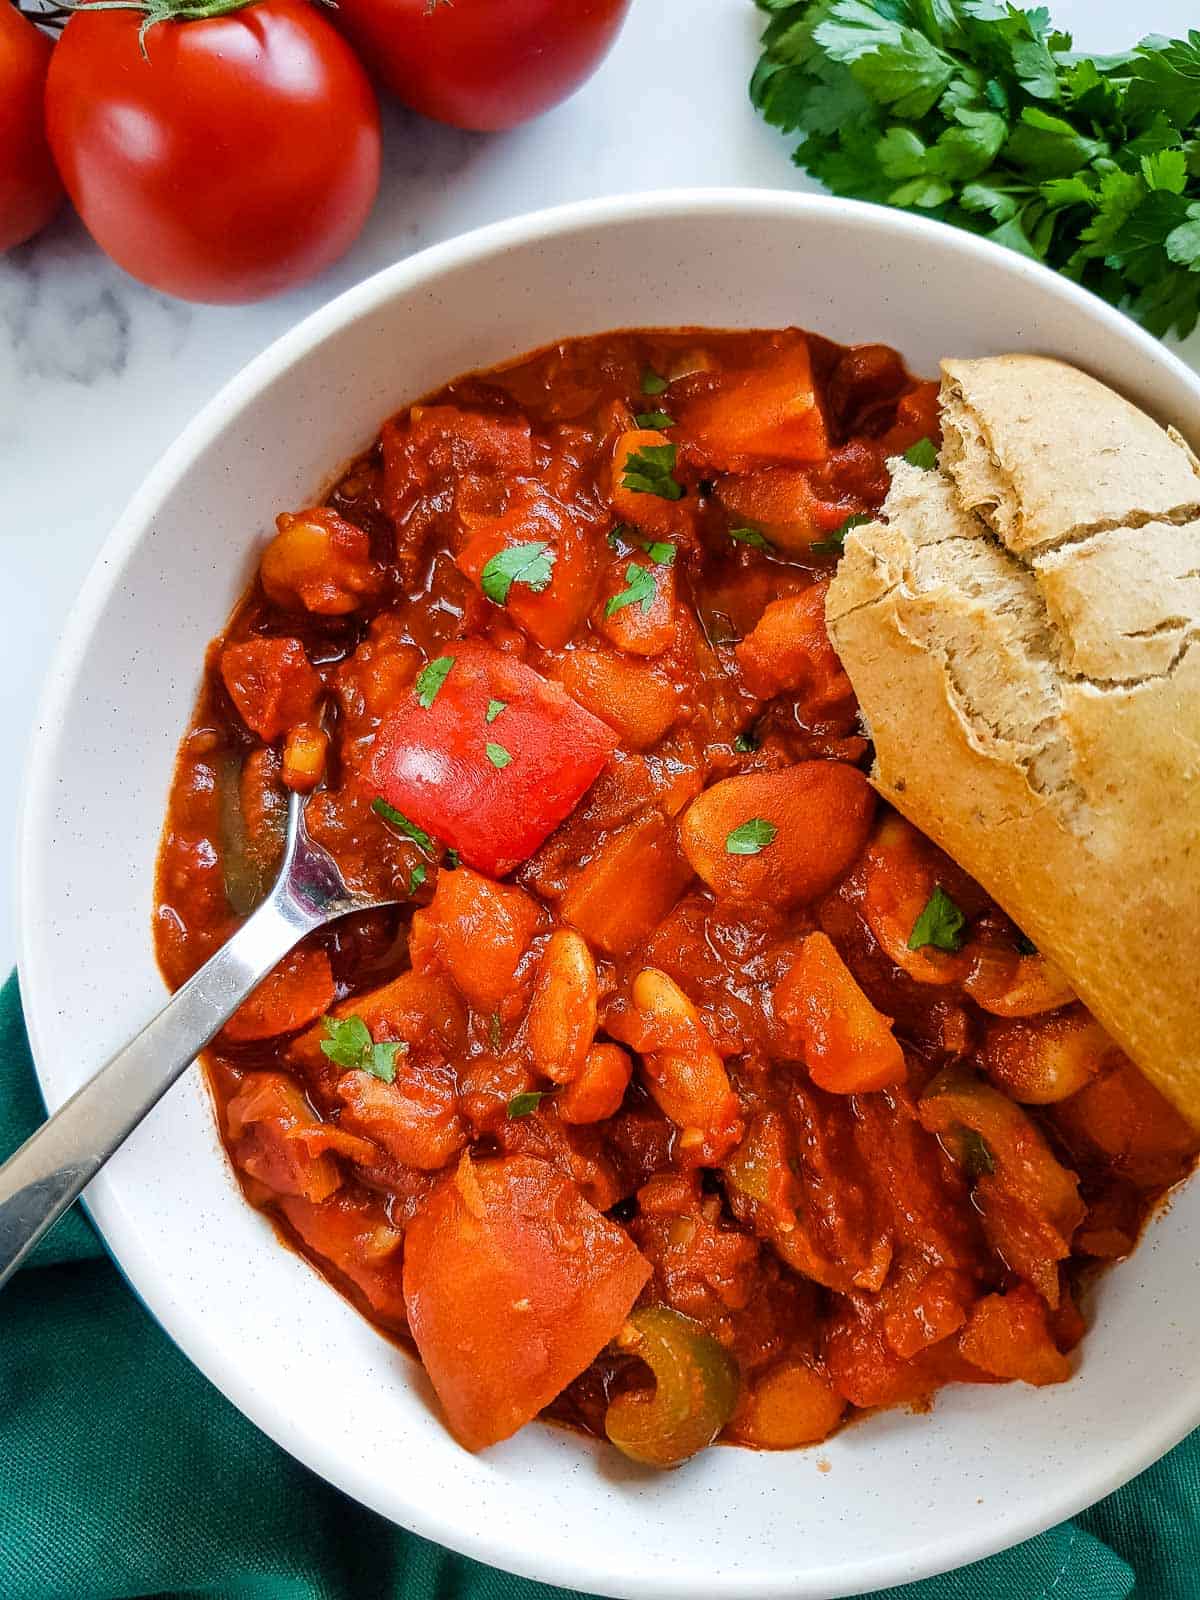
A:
{"points": [[625, 891], [637, 702], [1009, 1336], [848, 1046], [791, 1404], [415, 1118], [300, 988], [552, 615], [477, 931], [769, 414], [789, 649], [421, 1009], [635, 610], [513, 1284], [652, 513]]}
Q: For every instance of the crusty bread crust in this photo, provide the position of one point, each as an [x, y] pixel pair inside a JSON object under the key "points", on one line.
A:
{"points": [[1032, 685]]}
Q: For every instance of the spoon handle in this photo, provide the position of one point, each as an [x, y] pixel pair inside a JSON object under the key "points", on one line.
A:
{"points": [[47, 1174]]}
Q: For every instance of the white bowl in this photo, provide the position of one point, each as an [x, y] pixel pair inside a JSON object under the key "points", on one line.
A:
{"points": [[903, 1496]]}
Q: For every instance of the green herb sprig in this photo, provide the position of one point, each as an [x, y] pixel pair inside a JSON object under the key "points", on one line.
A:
{"points": [[984, 116], [348, 1044]]}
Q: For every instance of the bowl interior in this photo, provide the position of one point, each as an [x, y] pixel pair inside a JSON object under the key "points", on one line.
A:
{"points": [[902, 1496]]}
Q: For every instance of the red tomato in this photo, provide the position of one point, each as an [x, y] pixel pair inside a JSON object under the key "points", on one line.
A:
{"points": [[493, 790], [30, 188], [236, 158], [482, 64]]}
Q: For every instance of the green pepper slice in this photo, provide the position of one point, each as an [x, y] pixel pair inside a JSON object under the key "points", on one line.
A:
{"points": [[696, 1385]]}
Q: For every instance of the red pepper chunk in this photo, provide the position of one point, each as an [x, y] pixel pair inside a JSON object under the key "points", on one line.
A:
{"points": [[433, 762]]}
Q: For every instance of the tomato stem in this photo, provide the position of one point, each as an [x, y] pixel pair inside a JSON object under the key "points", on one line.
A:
{"points": [[156, 11]]}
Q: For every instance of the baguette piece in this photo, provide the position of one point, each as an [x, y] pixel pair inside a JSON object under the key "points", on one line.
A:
{"points": [[1029, 666]]}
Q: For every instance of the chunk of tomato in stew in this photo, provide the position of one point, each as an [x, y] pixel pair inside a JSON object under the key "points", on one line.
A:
{"points": [[492, 789], [513, 1284]]}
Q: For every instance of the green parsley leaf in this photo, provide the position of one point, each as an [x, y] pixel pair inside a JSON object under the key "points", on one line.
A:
{"points": [[497, 755], [752, 537], [661, 553], [648, 471], [979, 112], [409, 829], [922, 454], [523, 1105], [529, 563], [416, 878], [640, 585], [431, 678], [494, 708], [940, 924], [621, 538], [348, 1044], [654, 419], [746, 742], [750, 837], [836, 542], [652, 383]]}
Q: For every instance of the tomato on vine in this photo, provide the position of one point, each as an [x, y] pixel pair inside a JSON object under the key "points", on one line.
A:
{"points": [[30, 190], [482, 64], [218, 150]]}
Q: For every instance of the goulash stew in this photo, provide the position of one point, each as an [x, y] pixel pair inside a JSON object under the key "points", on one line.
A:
{"points": [[689, 1092]]}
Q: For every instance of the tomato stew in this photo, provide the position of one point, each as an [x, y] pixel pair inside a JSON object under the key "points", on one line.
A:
{"points": [[692, 1092]]}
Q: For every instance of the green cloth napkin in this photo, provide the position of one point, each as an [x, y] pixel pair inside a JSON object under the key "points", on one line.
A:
{"points": [[123, 1472]]}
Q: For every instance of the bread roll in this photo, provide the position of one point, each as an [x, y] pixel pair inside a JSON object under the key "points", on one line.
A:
{"points": [[1022, 629]]}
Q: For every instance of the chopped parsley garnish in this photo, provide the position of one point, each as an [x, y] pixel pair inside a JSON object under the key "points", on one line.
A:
{"points": [[348, 1044], [752, 537], [652, 382], [836, 542], [529, 563], [660, 552], [416, 878], [409, 829], [497, 755], [922, 454], [1025, 944], [431, 678], [494, 708], [648, 471], [641, 586], [746, 742], [523, 1105], [940, 924], [654, 419], [751, 837]]}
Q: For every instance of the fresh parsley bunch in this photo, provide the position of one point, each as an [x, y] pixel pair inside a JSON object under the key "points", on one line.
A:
{"points": [[982, 115]]}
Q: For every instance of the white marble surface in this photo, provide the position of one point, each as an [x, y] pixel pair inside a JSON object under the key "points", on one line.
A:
{"points": [[98, 374]]}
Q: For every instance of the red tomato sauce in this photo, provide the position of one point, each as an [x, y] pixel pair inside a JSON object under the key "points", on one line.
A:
{"points": [[674, 1014]]}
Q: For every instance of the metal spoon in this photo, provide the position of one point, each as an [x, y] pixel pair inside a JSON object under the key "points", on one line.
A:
{"points": [[54, 1165]]}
